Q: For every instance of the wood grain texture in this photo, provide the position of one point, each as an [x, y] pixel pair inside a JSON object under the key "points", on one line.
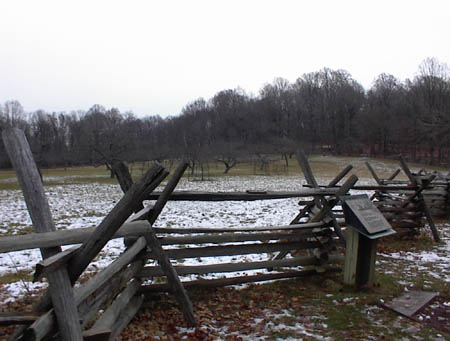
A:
{"points": [[114, 220], [33, 190]]}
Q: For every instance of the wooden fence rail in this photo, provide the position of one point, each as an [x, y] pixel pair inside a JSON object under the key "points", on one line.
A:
{"points": [[243, 196], [134, 229], [64, 311], [311, 239], [408, 209]]}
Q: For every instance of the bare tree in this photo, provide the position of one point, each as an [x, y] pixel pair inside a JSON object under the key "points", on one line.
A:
{"points": [[380, 119], [431, 101], [13, 114]]}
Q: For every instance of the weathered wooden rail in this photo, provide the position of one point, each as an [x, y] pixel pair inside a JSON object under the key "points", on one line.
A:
{"points": [[243, 196], [436, 194], [310, 239], [406, 204], [135, 229], [407, 208], [62, 307], [117, 290], [214, 243]]}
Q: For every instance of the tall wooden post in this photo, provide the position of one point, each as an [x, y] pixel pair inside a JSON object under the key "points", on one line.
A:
{"points": [[33, 190]]}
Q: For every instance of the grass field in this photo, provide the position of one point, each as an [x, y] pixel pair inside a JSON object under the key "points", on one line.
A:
{"points": [[323, 167]]}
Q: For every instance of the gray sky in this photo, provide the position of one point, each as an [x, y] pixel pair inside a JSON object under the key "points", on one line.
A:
{"points": [[153, 57]]}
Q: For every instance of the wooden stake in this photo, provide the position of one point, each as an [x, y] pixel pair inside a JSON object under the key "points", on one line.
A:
{"points": [[172, 277], [414, 182], [374, 174]]}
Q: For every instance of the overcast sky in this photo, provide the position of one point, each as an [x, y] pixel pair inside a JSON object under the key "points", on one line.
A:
{"points": [[154, 57]]}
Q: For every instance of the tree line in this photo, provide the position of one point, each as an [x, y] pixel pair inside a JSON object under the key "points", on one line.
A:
{"points": [[326, 111]]}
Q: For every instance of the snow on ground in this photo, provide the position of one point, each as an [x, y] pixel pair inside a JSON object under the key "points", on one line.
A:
{"points": [[85, 205], [273, 322], [435, 262]]}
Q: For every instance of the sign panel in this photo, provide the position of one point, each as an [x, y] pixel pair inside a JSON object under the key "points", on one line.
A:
{"points": [[363, 215], [410, 302]]}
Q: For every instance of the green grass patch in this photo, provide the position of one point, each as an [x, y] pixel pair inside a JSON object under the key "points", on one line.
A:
{"points": [[84, 171], [61, 176], [323, 166], [17, 276], [281, 334], [7, 174], [9, 186], [17, 229], [93, 214], [78, 181]]}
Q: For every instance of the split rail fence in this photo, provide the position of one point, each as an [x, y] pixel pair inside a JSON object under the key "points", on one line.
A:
{"points": [[407, 204], [73, 312]]}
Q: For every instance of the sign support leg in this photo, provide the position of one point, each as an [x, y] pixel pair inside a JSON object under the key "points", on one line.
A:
{"points": [[360, 256]]}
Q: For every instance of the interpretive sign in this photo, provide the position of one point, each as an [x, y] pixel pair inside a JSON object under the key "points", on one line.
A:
{"points": [[367, 225], [361, 214]]}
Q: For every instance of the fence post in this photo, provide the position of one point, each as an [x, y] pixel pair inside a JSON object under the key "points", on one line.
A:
{"points": [[33, 190]]}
